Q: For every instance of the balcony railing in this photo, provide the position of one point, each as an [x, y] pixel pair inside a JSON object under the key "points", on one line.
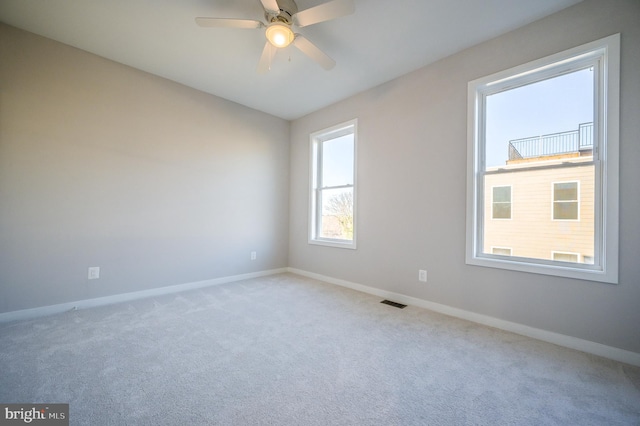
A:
{"points": [[553, 144]]}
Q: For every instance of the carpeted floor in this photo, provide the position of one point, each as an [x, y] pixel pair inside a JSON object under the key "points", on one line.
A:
{"points": [[287, 350]]}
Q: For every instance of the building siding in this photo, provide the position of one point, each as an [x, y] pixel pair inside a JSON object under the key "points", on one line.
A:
{"points": [[531, 231]]}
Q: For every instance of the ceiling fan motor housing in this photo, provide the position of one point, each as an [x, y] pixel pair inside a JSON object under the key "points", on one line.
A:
{"points": [[288, 8]]}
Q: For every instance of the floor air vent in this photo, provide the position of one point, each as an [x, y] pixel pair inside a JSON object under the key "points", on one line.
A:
{"points": [[394, 304]]}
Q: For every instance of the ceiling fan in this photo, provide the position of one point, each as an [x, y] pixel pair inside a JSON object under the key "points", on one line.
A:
{"points": [[281, 15]]}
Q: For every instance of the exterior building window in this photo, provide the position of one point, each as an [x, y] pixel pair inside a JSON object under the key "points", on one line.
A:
{"points": [[560, 256], [502, 251], [565, 201], [501, 208], [551, 129], [333, 186]]}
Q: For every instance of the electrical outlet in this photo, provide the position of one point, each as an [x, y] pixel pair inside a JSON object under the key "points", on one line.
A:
{"points": [[422, 275], [94, 272], [254, 255]]}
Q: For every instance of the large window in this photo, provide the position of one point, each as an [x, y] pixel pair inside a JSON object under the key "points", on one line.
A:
{"points": [[549, 130], [333, 186]]}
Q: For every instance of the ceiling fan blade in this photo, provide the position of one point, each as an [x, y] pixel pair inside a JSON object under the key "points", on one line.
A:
{"points": [[266, 58], [271, 6], [228, 23], [324, 12], [313, 52]]}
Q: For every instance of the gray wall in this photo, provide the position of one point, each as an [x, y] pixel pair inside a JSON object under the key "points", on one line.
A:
{"points": [[158, 184], [412, 183], [104, 165]]}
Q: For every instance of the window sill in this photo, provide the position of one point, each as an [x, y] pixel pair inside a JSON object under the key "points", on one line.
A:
{"points": [[582, 272], [328, 242]]}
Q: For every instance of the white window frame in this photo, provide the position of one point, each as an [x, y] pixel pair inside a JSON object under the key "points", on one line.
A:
{"points": [[553, 201], [604, 55], [501, 202], [316, 139]]}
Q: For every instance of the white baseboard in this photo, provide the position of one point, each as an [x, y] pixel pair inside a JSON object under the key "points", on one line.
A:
{"points": [[27, 314], [587, 346]]}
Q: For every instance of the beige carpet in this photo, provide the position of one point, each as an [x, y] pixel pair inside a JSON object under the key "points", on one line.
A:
{"points": [[287, 350]]}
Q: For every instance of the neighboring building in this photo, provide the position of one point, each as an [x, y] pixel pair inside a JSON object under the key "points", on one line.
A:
{"points": [[541, 203]]}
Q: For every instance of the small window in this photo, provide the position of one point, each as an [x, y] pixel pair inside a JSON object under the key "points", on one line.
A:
{"points": [[333, 188], [501, 205], [502, 251], [565, 201], [551, 128], [560, 256]]}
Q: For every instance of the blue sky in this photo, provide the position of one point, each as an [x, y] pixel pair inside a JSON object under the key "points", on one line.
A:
{"points": [[555, 105], [338, 161]]}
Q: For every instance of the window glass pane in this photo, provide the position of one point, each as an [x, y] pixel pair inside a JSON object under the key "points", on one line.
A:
{"points": [[565, 210], [539, 140], [540, 121], [502, 194], [502, 211], [337, 161], [337, 214], [567, 191]]}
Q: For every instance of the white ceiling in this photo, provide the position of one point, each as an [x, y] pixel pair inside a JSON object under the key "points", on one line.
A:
{"points": [[384, 39]]}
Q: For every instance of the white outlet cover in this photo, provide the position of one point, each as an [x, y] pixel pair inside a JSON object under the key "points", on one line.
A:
{"points": [[94, 273]]}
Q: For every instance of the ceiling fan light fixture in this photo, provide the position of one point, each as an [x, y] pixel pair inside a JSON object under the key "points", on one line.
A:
{"points": [[279, 34]]}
